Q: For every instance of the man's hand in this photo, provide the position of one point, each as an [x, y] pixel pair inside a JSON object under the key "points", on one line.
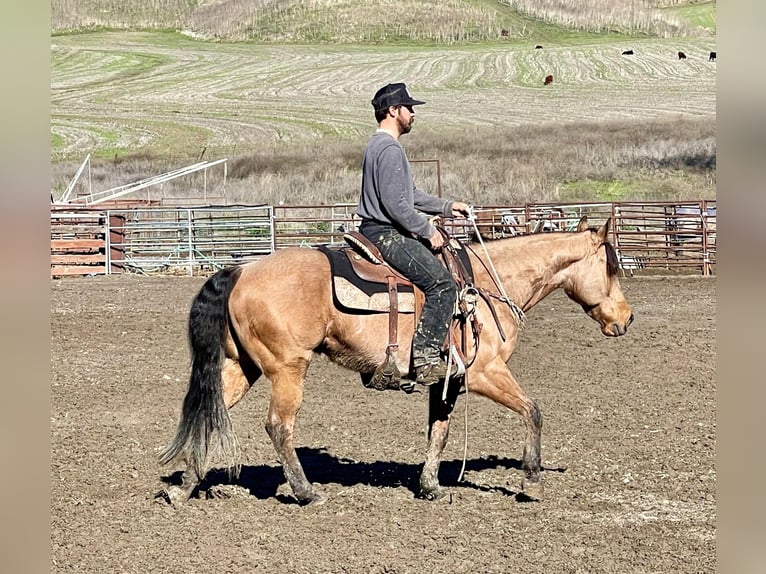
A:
{"points": [[436, 240], [460, 208]]}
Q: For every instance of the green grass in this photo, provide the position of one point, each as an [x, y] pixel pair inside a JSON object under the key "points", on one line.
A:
{"points": [[702, 15], [611, 190], [57, 141]]}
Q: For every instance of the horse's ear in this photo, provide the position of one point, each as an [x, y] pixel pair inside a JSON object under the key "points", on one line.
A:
{"points": [[603, 231], [583, 225]]}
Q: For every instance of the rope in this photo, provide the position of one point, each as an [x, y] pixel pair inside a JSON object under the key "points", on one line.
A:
{"points": [[444, 398], [516, 311], [465, 433]]}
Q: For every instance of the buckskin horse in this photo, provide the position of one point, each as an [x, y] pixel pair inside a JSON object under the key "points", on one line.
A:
{"points": [[269, 317]]}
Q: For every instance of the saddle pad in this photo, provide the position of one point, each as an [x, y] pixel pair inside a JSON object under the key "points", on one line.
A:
{"points": [[351, 292]]}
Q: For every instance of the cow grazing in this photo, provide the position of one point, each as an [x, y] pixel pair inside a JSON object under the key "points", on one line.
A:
{"points": [[538, 47], [505, 33], [627, 53], [681, 56], [711, 58], [548, 80]]}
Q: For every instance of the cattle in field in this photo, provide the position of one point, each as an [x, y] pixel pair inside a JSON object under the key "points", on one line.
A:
{"points": [[681, 56], [627, 53], [548, 80], [538, 47], [505, 33], [711, 58]]}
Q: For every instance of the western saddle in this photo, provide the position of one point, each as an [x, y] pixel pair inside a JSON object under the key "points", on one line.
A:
{"points": [[368, 265]]}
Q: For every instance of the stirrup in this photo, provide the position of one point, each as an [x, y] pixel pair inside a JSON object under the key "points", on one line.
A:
{"points": [[386, 376]]}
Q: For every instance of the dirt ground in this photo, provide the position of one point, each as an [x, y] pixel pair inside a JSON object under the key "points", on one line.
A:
{"points": [[628, 450]]}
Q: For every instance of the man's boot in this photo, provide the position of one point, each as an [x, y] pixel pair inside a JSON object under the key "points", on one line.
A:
{"points": [[433, 372]]}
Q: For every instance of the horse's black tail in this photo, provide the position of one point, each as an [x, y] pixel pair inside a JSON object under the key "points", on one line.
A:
{"points": [[205, 432]]}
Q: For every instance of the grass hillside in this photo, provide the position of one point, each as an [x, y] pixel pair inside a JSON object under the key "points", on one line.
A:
{"points": [[386, 21], [141, 87]]}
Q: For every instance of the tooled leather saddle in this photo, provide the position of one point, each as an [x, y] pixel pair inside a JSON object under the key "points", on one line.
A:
{"points": [[364, 283]]}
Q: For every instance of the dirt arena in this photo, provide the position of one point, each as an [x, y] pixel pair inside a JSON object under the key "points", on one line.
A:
{"points": [[628, 450]]}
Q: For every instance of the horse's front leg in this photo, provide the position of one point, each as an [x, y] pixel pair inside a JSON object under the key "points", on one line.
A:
{"points": [[439, 413], [496, 382], [286, 399]]}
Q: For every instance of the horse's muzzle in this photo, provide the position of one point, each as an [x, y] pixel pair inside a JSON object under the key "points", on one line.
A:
{"points": [[619, 330]]}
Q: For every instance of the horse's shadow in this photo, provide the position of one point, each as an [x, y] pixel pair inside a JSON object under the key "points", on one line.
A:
{"points": [[321, 467]]}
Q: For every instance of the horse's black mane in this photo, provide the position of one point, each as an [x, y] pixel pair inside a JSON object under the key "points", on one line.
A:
{"points": [[612, 261]]}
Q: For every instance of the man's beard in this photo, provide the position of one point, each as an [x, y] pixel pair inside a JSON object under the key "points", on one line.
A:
{"points": [[405, 126]]}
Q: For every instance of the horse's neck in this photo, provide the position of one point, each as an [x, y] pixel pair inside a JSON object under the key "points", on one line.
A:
{"points": [[532, 266]]}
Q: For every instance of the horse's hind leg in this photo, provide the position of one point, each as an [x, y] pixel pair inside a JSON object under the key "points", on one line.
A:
{"points": [[286, 399], [235, 385], [179, 494], [497, 383], [237, 377]]}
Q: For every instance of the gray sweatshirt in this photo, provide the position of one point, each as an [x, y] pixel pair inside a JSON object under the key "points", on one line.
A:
{"points": [[389, 195]]}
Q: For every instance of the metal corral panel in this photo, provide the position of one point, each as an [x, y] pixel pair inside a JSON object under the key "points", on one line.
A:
{"points": [[190, 240], [653, 237]]}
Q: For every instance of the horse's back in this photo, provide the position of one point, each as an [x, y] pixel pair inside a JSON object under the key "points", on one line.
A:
{"points": [[285, 266], [284, 297]]}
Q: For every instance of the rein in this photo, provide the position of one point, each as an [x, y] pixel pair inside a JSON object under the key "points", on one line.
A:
{"points": [[516, 311]]}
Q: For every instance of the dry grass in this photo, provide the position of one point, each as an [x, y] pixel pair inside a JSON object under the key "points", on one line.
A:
{"points": [[369, 21], [580, 162], [349, 21], [78, 15], [632, 17]]}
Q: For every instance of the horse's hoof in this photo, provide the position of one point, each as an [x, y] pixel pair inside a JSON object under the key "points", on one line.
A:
{"points": [[173, 495], [226, 491], [533, 490], [315, 499], [433, 494]]}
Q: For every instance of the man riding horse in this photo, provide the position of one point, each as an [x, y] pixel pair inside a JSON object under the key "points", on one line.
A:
{"points": [[390, 207]]}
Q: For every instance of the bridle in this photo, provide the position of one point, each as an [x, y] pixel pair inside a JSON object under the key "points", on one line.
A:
{"points": [[588, 308]]}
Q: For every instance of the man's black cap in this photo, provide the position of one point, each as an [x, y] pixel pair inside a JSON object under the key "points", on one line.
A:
{"points": [[393, 95]]}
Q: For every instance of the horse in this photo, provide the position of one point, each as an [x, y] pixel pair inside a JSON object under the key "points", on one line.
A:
{"points": [[271, 316]]}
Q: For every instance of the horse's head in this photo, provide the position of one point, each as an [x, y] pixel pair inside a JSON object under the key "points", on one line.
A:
{"points": [[593, 282]]}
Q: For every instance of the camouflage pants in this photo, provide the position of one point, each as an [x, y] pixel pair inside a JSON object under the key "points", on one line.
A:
{"points": [[416, 261]]}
